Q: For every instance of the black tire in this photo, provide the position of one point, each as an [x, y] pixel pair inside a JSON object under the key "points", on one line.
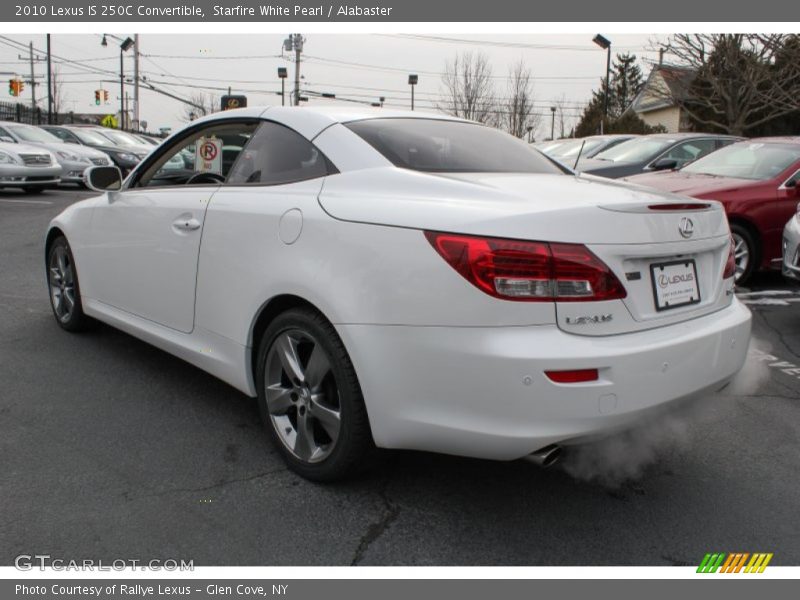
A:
{"points": [[754, 252], [354, 449], [75, 319]]}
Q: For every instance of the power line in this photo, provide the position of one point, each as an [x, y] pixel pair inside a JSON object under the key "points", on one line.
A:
{"points": [[525, 45]]}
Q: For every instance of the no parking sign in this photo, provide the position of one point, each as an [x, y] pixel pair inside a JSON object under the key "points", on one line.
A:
{"points": [[208, 155]]}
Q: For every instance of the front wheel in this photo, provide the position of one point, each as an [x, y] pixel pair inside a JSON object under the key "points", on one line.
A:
{"points": [[310, 399], [62, 281]]}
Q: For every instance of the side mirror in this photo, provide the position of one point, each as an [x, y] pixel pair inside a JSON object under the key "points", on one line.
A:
{"points": [[664, 164], [103, 179], [7, 138]]}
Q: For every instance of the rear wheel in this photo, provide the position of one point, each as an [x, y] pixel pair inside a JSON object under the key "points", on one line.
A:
{"points": [[745, 253], [62, 280], [310, 398]]}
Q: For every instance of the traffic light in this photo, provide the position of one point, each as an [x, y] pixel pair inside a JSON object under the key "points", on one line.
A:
{"points": [[97, 97], [13, 87], [20, 86], [105, 96]]}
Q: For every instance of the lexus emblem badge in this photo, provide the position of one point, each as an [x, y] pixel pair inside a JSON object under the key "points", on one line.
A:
{"points": [[686, 227]]}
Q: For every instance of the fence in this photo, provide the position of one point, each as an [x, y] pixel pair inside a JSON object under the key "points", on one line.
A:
{"points": [[23, 113]]}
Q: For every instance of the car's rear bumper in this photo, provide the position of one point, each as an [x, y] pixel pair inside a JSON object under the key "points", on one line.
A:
{"points": [[790, 266], [483, 392]]}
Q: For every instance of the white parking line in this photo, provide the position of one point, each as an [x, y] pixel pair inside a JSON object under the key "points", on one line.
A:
{"points": [[25, 201]]}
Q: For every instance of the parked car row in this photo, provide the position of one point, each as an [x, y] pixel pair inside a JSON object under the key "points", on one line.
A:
{"points": [[756, 180], [36, 158]]}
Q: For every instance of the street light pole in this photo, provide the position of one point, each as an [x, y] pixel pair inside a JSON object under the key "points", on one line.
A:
{"points": [[553, 123], [605, 44], [282, 74], [136, 82], [121, 89], [412, 81]]}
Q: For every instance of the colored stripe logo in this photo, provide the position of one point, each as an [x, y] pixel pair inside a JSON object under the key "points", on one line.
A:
{"points": [[735, 562]]}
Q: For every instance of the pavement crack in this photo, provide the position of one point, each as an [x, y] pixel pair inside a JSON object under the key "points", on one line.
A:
{"points": [[206, 487], [376, 529], [779, 334]]}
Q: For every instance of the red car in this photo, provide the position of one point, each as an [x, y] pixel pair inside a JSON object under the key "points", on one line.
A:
{"points": [[757, 180]]}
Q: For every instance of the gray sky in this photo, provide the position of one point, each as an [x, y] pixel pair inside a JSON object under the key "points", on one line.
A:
{"points": [[356, 66]]}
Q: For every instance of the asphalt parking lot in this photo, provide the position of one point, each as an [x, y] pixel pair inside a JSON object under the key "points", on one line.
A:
{"points": [[111, 449]]}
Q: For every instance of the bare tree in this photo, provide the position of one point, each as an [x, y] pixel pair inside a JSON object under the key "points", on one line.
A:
{"points": [[517, 114], [468, 90], [736, 82], [208, 101], [561, 116]]}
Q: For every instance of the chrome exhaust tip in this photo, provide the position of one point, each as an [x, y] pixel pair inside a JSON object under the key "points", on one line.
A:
{"points": [[545, 457]]}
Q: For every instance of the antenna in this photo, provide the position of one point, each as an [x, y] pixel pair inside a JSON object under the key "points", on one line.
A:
{"points": [[577, 158]]}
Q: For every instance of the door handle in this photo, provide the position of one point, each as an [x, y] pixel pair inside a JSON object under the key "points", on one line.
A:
{"points": [[184, 224]]}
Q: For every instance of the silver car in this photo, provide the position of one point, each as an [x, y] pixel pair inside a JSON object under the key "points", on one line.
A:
{"points": [[791, 247], [74, 159], [31, 168]]}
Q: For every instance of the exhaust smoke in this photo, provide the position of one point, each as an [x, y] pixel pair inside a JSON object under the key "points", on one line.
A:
{"points": [[625, 457]]}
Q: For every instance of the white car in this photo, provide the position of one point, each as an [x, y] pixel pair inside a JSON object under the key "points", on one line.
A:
{"points": [[73, 159], [29, 167], [390, 279], [791, 247]]}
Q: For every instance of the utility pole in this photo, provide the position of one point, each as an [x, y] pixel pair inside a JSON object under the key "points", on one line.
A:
{"points": [[49, 84], [298, 48], [136, 81], [33, 82], [295, 42]]}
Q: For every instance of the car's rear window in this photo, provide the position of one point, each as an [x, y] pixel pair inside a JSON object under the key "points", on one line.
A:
{"points": [[442, 146]]}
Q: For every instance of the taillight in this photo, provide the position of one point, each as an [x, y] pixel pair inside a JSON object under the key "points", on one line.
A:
{"points": [[528, 271], [730, 264]]}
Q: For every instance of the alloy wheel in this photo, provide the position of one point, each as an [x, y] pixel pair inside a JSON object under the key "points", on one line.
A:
{"points": [[62, 283], [302, 396], [741, 255]]}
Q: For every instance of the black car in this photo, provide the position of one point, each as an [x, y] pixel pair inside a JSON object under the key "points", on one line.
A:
{"points": [[657, 152], [124, 157]]}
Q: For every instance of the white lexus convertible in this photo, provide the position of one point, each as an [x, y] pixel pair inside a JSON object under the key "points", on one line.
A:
{"points": [[388, 279]]}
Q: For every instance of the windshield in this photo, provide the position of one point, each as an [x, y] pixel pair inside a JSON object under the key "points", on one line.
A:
{"points": [[636, 150], [442, 146], [122, 138], [747, 160], [92, 138], [34, 134]]}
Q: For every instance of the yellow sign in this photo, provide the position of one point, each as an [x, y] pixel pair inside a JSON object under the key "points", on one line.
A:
{"points": [[109, 121]]}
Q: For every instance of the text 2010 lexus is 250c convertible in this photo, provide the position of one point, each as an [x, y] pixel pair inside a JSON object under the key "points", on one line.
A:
{"points": [[383, 279]]}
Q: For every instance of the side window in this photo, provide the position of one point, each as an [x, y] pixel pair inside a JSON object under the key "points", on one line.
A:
{"points": [[276, 155], [4, 133], [692, 150], [204, 157]]}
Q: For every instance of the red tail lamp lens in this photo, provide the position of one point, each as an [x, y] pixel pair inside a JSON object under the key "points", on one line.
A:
{"points": [[730, 264], [575, 376], [528, 271]]}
